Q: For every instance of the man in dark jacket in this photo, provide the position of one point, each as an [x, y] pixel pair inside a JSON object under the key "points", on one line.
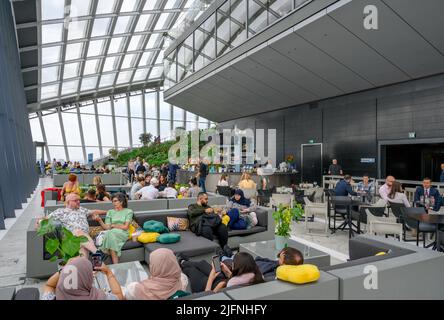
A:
{"points": [[197, 211], [427, 191], [287, 256], [343, 187]]}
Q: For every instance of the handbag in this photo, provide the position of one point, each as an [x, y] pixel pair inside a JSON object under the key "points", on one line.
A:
{"points": [[206, 220]]}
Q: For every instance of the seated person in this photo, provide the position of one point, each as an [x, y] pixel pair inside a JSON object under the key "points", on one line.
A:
{"points": [[75, 219], [246, 182], [101, 194], [97, 180], [90, 196], [56, 289], [427, 191], [162, 183], [242, 270], [148, 192], [287, 256], [343, 187], [365, 185], [140, 183], [241, 212], [202, 212], [116, 224], [223, 181], [194, 189], [71, 186], [170, 191], [166, 279], [397, 196]]}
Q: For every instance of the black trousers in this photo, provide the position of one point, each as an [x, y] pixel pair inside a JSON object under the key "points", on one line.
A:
{"points": [[221, 232], [197, 273]]}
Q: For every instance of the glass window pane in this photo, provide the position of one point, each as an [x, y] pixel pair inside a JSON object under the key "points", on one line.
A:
{"points": [[53, 9], [74, 51], [150, 105], [52, 33], [100, 27], [140, 75], [106, 131], [107, 80], [164, 109], [110, 64], [51, 54], [122, 25], [146, 59], [104, 108], [89, 83], [178, 124], [95, 48], [151, 127], [71, 70], [36, 130], [116, 45], [281, 7], [128, 61], [156, 73], [77, 29], [165, 130], [137, 130], [105, 6], [52, 129], [48, 92], [69, 87], [190, 126], [76, 154], [136, 106], [129, 5], [144, 22], [178, 113], [163, 21], [203, 125], [91, 66], [120, 107], [124, 77], [57, 153], [89, 129], [50, 74], [87, 108], [238, 23], [80, 8], [71, 125], [154, 41], [122, 132], [135, 43]]}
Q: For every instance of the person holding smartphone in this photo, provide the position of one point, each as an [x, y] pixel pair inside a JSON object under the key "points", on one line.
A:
{"points": [[55, 288]]}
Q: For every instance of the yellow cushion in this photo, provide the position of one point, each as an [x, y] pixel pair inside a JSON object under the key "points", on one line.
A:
{"points": [[226, 219], [381, 253], [148, 237], [301, 274], [131, 230]]}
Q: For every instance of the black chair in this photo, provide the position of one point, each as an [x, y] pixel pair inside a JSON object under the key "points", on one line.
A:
{"points": [[421, 227], [342, 208], [361, 216], [264, 196], [299, 196]]}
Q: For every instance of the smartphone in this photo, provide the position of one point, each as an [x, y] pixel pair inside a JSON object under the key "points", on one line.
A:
{"points": [[96, 259], [216, 263]]}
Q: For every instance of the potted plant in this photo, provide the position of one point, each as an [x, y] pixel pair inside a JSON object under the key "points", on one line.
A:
{"points": [[283, 216], [60, 243]]}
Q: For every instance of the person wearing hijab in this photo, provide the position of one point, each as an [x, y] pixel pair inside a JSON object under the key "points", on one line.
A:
{"points": [[165, 281], [81, 270], [241, 212]]}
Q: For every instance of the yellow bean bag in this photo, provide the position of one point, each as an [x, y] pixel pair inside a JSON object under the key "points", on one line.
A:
{"points": [[381, 253], [148, 237], [131, 230], [301, 274]]}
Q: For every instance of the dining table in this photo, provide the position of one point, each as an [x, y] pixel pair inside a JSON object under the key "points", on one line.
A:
{"points": [[431, 218]]}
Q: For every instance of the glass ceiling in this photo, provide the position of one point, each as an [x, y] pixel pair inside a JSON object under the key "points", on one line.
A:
{"points": [[91, 45]]}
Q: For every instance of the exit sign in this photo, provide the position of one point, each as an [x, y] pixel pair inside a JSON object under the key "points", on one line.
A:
{"points": [[412, 135], [311, 141]]}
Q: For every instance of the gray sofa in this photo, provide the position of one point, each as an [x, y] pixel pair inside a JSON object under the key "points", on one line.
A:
{"points": [[38, 265], [142, 205]]}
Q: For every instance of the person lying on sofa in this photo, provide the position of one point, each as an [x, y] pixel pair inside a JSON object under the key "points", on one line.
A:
{"points": [[242, 270], [166, 280], [287, 256], [241, 212], [58, 286], [205, 222], [75, 219]]}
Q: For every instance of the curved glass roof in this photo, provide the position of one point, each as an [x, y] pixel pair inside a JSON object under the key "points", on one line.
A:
{"points": [[89, 47]]}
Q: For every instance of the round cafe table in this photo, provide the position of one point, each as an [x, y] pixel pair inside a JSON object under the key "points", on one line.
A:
{"points": [[431, 218]]}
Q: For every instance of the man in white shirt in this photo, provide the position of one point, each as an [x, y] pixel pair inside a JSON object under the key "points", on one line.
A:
{"points": [[149, 192], [170, 191], [385, 189]]}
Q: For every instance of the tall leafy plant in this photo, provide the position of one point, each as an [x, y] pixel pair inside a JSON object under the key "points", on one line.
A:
{"points": [[284, 215], [60, 243]]}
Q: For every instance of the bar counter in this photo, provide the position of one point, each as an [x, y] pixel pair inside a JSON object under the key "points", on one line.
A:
{"points": [[277, 179]]}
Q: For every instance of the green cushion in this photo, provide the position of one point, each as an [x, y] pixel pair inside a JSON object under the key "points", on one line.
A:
{"points": [[154, 226], [169, 238]]}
